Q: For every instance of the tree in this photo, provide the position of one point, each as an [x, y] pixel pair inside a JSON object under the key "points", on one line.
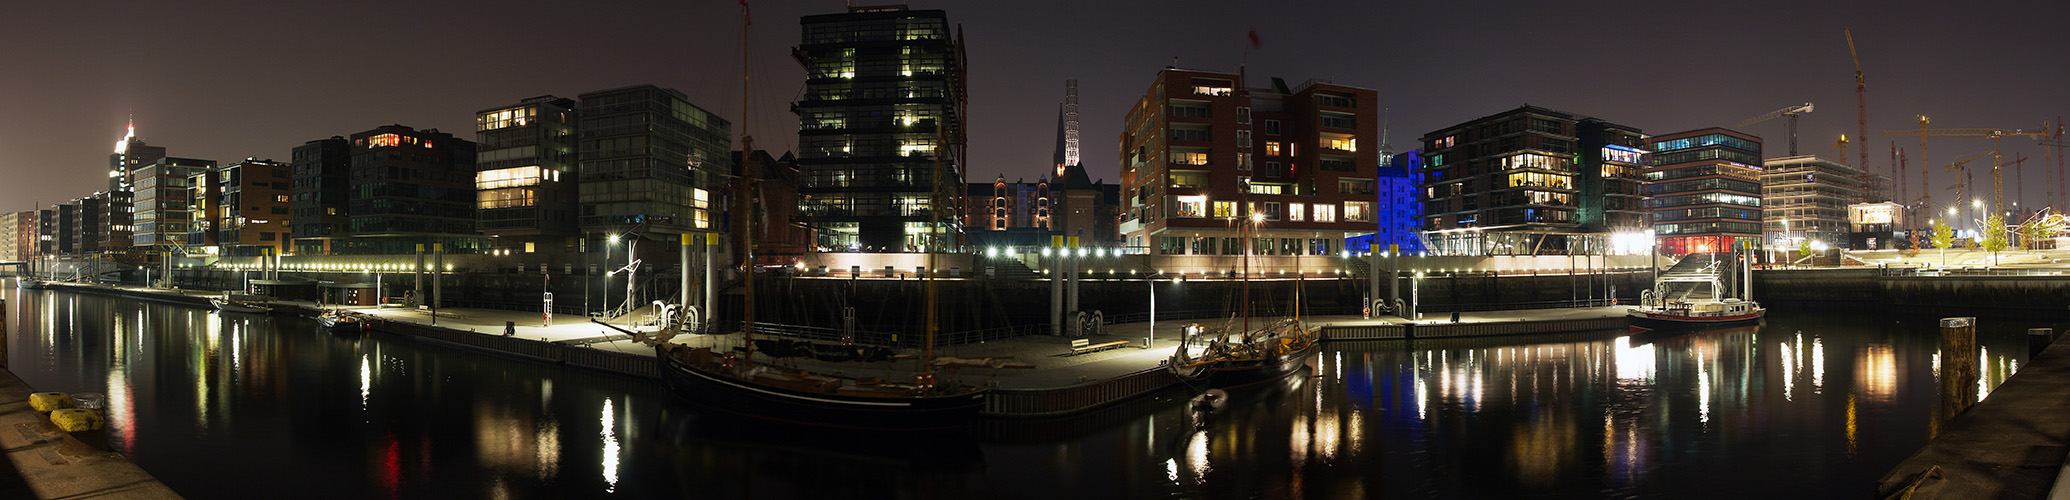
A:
{"points": [[1994, 236], [1943, 237], [2030, 234], [1804, 251]]}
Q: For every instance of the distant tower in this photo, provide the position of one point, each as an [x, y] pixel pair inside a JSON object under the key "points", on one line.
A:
{"points": [[1067, 129]]}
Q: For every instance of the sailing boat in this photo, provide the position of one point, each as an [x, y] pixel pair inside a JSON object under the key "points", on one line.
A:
{"points": [[735, 382], [1260, 355]]}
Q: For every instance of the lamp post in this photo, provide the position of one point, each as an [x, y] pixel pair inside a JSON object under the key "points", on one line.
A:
{"points": [[1150, 340]]}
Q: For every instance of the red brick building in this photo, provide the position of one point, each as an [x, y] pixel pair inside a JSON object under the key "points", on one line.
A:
{"points": [[1202, 152]]}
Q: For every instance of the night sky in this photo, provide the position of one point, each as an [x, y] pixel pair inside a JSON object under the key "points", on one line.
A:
{"points": [[228, 80]]}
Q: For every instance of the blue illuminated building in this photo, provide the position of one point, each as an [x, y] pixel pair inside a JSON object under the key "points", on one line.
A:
{"points": [[1401, 210]]}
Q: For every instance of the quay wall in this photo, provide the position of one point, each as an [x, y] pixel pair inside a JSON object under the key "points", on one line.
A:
{"points": [[1871, 289]]}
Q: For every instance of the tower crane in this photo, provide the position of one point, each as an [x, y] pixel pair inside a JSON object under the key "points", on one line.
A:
{"points": [[1841, 146], [1997, 178], [1861, 98], [1791, 111]]}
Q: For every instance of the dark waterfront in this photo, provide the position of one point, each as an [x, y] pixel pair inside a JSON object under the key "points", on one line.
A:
{"points": [[1806, 406]]}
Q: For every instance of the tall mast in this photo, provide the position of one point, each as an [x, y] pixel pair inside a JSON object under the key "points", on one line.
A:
{"points": [[747, 202], [934, 210]]}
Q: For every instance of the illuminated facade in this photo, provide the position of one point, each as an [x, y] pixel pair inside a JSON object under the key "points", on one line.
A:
{"points": [[1705, 191], [118, 219], [242, 209], [1202, 151], [1804, 199], [883, 109], [649, 160], [1531, 181], [17, 236], [163, 201], [319, 195], [525, 174], [1400, 209]]}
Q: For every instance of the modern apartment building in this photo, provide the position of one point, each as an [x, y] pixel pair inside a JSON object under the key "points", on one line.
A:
{"points": [[163, 201], [649, 161], [17, 236], [410, 187], [1530, 181], [1805, 199], [881, 129], [318, 197], [1400, 205], [242, 209], [1204, 154], [1705, 191], [526, 174]]}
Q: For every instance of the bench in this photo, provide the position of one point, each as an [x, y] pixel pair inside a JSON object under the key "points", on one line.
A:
{"points": [[1082, 346]]}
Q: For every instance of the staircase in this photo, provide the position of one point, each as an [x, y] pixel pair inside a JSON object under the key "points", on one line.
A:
{"points": [[1691, 278], [1010, 269]]}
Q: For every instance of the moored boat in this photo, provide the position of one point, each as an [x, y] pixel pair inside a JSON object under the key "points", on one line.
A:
{"points": [[240, 306], [342, 323], [726, 382], [1699, 314], [1267, 354]]}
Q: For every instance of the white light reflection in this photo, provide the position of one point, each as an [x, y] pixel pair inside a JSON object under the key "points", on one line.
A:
{"points": [[1171, 470], [1789, 372], [1983, 382], [1197, 455], [1633, 363], [1818, 366], [1703, 388], [610, 435], [366, 381]]}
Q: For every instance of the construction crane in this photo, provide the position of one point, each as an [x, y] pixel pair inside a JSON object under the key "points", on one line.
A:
{"points": [[1841, 146], [1861, 98], [1791, 112], [1997, 163]]}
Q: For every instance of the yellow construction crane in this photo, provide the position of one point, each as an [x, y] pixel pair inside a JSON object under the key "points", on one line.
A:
{"points": [[1841, 146], [1791, 112], [1997, 178], [1861, 100]]}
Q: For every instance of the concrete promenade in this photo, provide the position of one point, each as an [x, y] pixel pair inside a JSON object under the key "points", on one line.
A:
{"points": [[2010, 445]]}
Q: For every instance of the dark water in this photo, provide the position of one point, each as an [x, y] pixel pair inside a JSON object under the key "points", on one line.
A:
{"points": [[216, 407]]}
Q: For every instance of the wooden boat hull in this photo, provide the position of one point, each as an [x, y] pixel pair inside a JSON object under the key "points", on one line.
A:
{"points": [[726, 393], [231, 307], [1663, 321], [341, 326], [1232, 374]]}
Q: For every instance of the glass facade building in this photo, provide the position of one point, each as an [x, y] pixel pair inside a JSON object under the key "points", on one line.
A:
{"points": [[883, 110], [1804, 200], [1705, 191], [647, 160], [1531, 181], [525, 174], [319, 195]]}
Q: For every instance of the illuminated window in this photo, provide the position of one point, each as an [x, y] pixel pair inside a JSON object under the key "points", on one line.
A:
{"points": [[514, 117], [1268, 189], [1358, 211], [390, 140], [1225, 209], [1189, 158], [1189, 179], [1191, 206], [281, 198], [506, 198], [1243, 162], [1272, 148], [1325, 213], [1346, 144], [1297, 211], [507, 177]]}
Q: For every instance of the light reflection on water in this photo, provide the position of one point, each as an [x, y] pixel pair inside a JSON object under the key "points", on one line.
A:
{"points": [[1814, 406]]}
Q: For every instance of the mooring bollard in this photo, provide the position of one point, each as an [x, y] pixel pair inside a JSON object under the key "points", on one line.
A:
{"points": [[1958, 367], [2038, 339]]}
